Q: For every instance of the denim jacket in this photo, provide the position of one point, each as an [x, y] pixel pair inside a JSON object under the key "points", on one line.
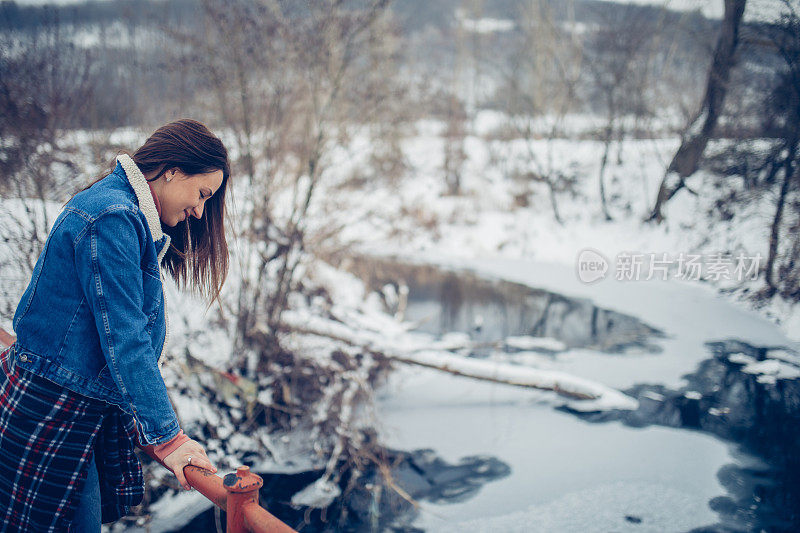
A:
{"points": [[93, 317]]}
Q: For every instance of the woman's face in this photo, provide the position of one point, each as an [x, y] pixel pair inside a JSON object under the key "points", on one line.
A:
{"points": [[185, 195]]}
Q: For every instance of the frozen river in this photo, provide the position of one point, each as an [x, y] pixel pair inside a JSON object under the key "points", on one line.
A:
{"points": [[566, 473]]}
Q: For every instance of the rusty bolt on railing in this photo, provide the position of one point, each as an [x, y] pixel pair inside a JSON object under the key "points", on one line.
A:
{"points": [[237, 495]]}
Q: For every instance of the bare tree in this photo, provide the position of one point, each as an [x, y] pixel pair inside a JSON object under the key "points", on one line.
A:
{"points": [[541, 80], [46, 83], [289, 81], [699, 130], [462, 95], [454, 153], [622, 51], [456, 112], [783, 111]]}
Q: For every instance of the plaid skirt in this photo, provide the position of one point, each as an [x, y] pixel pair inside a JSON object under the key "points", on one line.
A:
{"points": [[47, 437]]}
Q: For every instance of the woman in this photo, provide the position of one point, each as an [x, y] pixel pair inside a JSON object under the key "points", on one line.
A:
{"points": [[81, 385]]}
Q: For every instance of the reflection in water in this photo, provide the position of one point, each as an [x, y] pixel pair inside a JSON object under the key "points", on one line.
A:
{"points": [[491, 310]]}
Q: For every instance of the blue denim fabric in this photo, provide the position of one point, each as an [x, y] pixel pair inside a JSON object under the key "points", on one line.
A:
{"points": [[88, 514], [92, 319]]}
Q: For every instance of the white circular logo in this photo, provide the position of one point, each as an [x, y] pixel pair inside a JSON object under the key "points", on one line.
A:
{"points": [[591, 265]]}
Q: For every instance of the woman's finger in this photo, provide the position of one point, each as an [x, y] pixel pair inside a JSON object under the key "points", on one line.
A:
{"points": [[181, 478], [208, 462], [202, 462]]}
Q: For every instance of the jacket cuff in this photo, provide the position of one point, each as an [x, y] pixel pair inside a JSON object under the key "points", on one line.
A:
{"points": [[158, 452]]}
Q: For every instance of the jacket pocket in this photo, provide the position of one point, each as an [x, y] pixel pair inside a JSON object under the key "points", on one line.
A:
{"points": [[105, 379]]}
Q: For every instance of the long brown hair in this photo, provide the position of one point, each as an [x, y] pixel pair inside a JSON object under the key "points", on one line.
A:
{"points": [[198, 254]]}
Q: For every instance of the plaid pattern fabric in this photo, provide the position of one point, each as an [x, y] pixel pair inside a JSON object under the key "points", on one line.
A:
{"points": [[121, 481], [47, 436]]}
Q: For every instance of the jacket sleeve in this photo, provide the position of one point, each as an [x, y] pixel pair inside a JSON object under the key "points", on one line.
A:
{"points": [[108, 258]]}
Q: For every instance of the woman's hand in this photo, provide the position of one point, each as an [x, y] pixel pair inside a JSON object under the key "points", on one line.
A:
{"points": [[188, 453]]}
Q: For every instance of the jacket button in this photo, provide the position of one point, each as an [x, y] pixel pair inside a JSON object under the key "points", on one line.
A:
{"points": [[23, 358]]}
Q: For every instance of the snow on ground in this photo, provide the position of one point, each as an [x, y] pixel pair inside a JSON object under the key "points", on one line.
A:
{"points": [[176, 511], [535, 343], [483, 25], [418, 349]]}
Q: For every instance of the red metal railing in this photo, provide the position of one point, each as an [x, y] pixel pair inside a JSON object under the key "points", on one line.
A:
{"points": [[237, 495]]}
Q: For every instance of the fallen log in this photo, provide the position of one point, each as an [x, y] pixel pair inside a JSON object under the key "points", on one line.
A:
{"points": [[592, 395]]}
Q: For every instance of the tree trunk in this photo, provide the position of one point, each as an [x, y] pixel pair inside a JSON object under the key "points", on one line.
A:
{"points": [[687, 158], [553, 202], [604, 161], [774, 237]]}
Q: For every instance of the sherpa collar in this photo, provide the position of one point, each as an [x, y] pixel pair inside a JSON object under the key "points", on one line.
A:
{"points": [[146, 203]]}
